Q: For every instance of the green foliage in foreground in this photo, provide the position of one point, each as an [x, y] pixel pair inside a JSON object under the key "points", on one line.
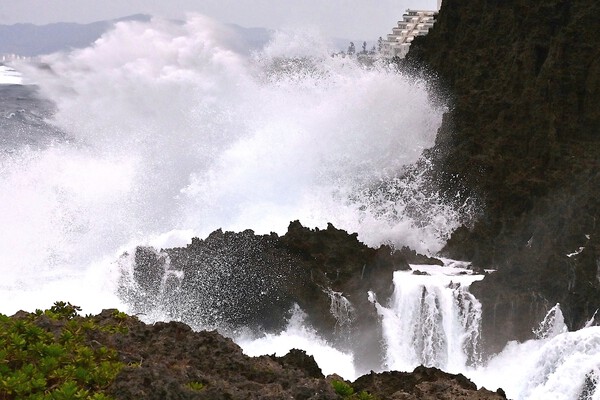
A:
{"points": [[347, 392], [342, 388], [55, 362]]}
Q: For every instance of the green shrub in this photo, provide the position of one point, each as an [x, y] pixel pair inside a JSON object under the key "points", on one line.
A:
{"points": [[347, 392], [342, 388], [197, 386], [119, 315], [62, 310], [362, 395], [37, 364]]}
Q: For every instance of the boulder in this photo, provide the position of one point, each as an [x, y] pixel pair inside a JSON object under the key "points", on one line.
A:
{"points": [[237, 281], [423, 384]]}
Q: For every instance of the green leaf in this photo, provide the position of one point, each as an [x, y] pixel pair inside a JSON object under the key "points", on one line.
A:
{"points": [[66, 391]]}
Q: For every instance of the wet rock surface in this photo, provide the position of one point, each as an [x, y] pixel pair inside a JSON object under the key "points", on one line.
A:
{"points": [[117, 356], [236, 281], [171, 361], [523, 136], [422, 384]]}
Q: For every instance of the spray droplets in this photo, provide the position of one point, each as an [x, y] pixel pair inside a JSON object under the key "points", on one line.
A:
{"points": [[552, 325]]}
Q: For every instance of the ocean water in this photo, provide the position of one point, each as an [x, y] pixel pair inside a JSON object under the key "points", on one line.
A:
{"points": [[163, 131], [9, 76]]}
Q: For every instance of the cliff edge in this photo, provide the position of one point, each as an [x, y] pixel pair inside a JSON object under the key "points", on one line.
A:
{"points": [[522, 78]]}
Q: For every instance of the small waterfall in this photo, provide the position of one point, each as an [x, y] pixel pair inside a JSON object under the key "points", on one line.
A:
{"points": [[343, 312], [552, 325], [469, 317], [432, 320]]}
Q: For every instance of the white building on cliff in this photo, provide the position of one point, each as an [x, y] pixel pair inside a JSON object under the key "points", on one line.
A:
{"points": [[413, 23]]}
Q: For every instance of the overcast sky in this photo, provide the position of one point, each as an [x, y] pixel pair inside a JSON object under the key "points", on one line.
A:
{"points": [[354, 19]]}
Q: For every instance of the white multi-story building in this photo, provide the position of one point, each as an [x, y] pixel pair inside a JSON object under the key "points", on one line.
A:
{"points": [[413, 23], [12, 57]]}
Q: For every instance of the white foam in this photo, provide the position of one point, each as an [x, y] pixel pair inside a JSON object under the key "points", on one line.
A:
{"points": [[298, 336], [10, 76], [554, 368], [432, 320], [171, 130]]}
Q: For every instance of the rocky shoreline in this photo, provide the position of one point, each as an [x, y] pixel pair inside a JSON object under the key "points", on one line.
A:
{"points": [[243, 281], [166, 361], [522, 136]]}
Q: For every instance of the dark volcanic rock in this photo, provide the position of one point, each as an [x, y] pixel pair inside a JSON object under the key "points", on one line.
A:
{"points": [[171, 361], [235, 281], [412, 257], [523, 135], [298, 359], [422, 384]]}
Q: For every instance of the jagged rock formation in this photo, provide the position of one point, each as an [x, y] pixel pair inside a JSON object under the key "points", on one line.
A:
{"points": [[423, 384], [170, 361], [166, 357], [523, 135], [234, 281]]}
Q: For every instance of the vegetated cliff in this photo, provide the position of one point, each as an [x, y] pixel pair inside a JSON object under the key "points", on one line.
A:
{"points": [[238, 281], [60, 355], [523, 134]]}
